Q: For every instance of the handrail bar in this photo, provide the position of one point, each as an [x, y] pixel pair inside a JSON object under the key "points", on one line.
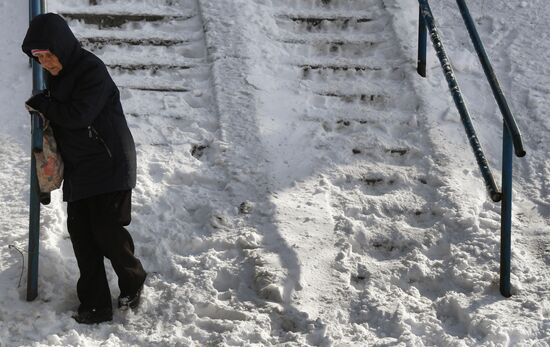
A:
{"points": [[491, 77], [429, 21]]}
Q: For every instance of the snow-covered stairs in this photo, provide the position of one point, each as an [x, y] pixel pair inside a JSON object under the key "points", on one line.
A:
{"points": [[350, 167], [284, 167], [299, 184], [157, 48]]}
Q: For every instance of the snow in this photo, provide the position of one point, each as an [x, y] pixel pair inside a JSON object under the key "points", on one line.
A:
{"points": [[283, 203]]}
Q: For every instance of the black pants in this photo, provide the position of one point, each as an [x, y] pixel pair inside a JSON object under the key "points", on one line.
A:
{"points": [[96, 226]]}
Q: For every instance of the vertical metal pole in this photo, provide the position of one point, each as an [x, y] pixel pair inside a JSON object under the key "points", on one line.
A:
{"points": [[422, 44], [34, 215], [506, 213], [34, 223]]}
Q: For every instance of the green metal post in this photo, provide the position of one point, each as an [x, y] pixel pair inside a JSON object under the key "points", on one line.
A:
{"points": [[422, 44], [36, 8], [506, 214]]}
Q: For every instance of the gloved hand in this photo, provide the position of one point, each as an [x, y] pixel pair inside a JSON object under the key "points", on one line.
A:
{"points": [[37, 102]]}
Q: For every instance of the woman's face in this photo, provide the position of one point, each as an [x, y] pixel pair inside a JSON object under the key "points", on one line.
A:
{"points": [[49, 61]]}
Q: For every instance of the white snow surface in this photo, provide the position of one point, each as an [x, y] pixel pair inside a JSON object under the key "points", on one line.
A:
{"points": [[322, 206]]}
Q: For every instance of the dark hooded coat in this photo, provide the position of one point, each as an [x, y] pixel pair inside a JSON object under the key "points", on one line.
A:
{"points": [[84, 108]]}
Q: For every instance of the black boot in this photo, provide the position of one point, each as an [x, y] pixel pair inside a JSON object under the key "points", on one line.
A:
{"points": [[45, 198], [130, 301], [94, 315]]}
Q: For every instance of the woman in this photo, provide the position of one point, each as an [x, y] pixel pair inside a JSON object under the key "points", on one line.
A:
{"points": [[83, 106]]}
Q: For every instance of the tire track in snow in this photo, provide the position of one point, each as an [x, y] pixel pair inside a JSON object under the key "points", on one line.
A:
{"points": [[274, 265]]}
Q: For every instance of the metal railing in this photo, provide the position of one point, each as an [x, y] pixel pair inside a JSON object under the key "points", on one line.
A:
{"points": [[511, 135], [36, 7]]}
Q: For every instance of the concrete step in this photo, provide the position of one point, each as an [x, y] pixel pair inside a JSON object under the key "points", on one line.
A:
{"points": [[337, 54], [340, 49], [165, 103], [110, 20], [99, 42], [330, 23], [180, 81], [356, 75], [361, 98], [318, 21], [331, 40], [184, 55], [148, 67], [332, 27], [158, 130], [354, 116], [154, 89], [169, 4], [136, 5], [332, 5], [307, 68]]}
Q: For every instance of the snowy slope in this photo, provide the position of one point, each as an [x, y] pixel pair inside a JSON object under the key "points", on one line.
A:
{"points": [[298, 183]]}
